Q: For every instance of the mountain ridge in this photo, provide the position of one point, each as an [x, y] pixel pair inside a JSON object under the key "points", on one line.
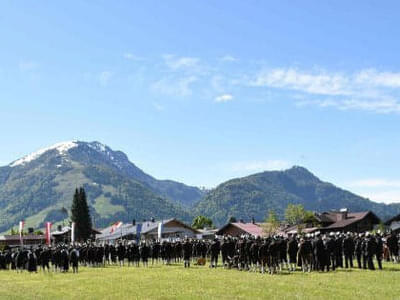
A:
{"points": [[252, 196], [37, 186]]}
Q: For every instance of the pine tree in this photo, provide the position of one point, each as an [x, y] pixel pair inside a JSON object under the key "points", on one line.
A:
{"points": [[80, 215]]}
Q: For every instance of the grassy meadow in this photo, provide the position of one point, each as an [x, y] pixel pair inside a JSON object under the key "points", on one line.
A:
{"points": [[175, 282]]}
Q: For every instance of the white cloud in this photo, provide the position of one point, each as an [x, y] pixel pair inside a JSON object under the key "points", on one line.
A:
{"points": [[224, 98], [259, 166], [229, 58], [158, 106], [390, 196], [375, 183], [377, 189], [25, 66], [384, 105], [373, 77], [367, 90], [131, 56], [320, 83], [104, 77], [175, 87], [177, 63]]}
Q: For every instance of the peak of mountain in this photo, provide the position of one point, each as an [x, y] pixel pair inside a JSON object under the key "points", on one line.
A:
{"points": [[61, 148], [252, 196], [36, 186]]}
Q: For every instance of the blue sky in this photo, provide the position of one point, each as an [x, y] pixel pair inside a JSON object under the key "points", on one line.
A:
{"points": [[204, 91]]}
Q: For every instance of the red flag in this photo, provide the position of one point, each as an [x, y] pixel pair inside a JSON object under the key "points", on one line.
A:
{"points": [[115, 226], [48, 233]]}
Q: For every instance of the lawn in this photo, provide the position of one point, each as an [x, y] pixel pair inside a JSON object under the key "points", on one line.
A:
{"points": [[175, 282]]}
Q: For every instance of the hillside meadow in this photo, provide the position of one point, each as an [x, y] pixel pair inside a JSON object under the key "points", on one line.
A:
{"points": [[175, 282]]}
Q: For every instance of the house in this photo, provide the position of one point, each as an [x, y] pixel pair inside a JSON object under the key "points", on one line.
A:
{"points": [[300, 229], [171, 229], [236, 229], [344, 221], [207, 234], [394, 224], [63, 234], [28, 240]]}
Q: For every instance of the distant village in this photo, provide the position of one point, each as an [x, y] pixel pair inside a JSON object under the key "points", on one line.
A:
{"points": [[173, 229]]}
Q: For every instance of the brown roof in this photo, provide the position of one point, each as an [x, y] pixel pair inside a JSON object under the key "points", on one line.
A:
{"points": [[352, 218], [15, 237], [249, 228], [327, 217]]}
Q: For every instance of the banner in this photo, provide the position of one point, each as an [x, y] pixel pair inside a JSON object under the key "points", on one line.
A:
{"points": [[73, 232], [138, 232], [160, 230], [115, 226], [48, 233], [21, 229]]}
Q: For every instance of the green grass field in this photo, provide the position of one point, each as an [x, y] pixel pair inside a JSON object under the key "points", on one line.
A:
{"points": [[175, 282]]}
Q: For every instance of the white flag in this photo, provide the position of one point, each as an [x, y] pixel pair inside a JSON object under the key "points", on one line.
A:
{"points": [[72, 232], [160, 230]]}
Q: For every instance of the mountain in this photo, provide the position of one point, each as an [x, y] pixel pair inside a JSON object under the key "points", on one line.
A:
{"points": [[253, 196], [37, 186]]}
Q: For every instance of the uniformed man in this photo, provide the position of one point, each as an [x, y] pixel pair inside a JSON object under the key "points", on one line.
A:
{"points": [[74, 259], [293, 247], [187, 253], [348, 250], [214, 251]]}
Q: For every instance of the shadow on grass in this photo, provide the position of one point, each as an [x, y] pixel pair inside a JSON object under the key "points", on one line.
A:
{"points": [[390, 269]]}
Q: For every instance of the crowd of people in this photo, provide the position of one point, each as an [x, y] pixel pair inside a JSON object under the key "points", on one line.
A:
{"points": [[312, 252]]}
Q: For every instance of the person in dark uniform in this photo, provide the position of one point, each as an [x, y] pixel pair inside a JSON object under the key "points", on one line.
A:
{"points": [[240, 249], [371, 251], [107, 254], [121, 253], [358, 250], [225, 252], [32, 261], [283, 253], [305, 254], [64, 259], [273, 250], [263, 254], [330, 245], [339, 250], [74, 259], [379, 250], [144, 254], [155, 253], [364, 251], [45, 256], [320, 253], [214, 251], [348, 250], [393, 245], [187, 253], [2, 261], [113, 254], [293, 247], [254, 251]]}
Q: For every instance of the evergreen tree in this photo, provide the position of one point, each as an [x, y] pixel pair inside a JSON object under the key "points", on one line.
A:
{"points": [[80, 214]]}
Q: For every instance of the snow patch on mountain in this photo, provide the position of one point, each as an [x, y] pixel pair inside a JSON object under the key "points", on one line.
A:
{"points": [[98, 147], [105, 150], [62, 149]]}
